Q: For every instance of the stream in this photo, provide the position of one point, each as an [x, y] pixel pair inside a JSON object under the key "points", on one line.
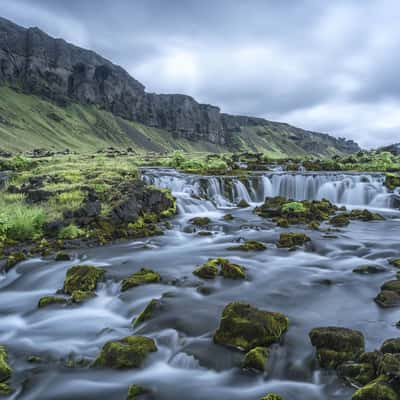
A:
{"points": [[312, 287]]}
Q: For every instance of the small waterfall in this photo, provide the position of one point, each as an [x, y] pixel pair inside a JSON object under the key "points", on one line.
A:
{"points": [[200, 194]]}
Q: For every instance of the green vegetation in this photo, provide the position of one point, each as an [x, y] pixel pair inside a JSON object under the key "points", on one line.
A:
{"points": [[5, 372], [256, 358], [220, 266], [142, 277], [83, 278], [135, 390], [249, 245], [148, 313]]}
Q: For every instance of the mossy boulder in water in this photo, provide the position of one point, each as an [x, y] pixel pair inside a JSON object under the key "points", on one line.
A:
{"points": [[128, 352], [369, 269], [13, 259], [243, 204], [357, 373], [152, 307], [340, 220], [135, 391], [62, 256], [79, 296], [249, 245], [244, 327], [391, 346], [200, 221], [395, 262], [5, 372], [142, 277], [365, 215], [292, 239], [272, 396], [336, 345], [228, 217], [379, 389], [392, 181], [82, 277], [51, 300], [389, 295], [255, 358], [220, 266]]}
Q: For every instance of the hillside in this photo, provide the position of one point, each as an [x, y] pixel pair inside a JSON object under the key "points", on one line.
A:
{"points": [[67, 96]]}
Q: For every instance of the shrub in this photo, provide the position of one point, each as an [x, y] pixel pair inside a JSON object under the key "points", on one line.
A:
{"points": [[70, 232]]}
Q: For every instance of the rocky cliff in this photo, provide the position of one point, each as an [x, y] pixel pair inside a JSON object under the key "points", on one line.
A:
{"points": [[61, 72]]}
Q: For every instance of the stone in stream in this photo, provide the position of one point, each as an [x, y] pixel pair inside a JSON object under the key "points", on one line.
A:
{"points": [[62, 256], [379, 389], [389, 295], [82, 277], [357, 373], [292, 239], [220, 266], [272, 396], [135, 391], [5, 373], [391, 346], [369, 269], [128, 352], [200, 221], [249, 245], [395, 262], [51, 300], [245, 327], [243, 204], [142, 277], [335, 345], [255, 359], [153, 307], [340, 220]]}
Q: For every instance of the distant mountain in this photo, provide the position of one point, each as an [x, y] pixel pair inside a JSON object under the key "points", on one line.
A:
{"points": [[392, 148], [36, 64]]}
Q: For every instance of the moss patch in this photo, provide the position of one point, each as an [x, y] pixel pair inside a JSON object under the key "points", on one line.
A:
{"points": [[83, 278], [142, 277]]}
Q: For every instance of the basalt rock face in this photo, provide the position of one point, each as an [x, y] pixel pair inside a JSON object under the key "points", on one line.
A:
{"points": [[56, 70]]}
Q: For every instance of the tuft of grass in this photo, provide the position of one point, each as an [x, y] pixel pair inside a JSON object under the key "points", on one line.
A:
{"points": [[71, 232]]}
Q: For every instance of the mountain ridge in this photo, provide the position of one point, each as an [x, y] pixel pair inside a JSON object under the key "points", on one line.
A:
{"points": [[63, 73]]}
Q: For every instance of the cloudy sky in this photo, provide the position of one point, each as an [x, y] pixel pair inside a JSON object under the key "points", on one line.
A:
{"points": [[330, 66]]}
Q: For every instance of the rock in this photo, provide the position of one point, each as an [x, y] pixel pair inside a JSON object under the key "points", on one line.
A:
{"points": [[5, 369], [369, 269], [228, 217], [142, 277], [79, 296], [82, 277], [243, 204], [13, 259], [249, 245], [365, 215], [391, 346], [395, 262], [389, 295], [392, 181], [389, 365], [272, 396], [62, 256], [50, 300], [200, 221], [204, 233], [357, 373], [340, 220], [336, 345], [245, 327], [255, 359], [378, 389], [292, 239], [220, 266], [153, 307], [128, 352], [135, 391]]}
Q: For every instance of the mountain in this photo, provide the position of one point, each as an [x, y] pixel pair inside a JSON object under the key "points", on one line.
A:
{"points": [[68, 77], [392, 148]]}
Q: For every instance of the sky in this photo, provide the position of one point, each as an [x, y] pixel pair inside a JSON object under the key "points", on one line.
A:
{"points": [[323, 65]]}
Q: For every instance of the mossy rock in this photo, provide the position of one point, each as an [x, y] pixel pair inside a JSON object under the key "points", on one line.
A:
{"points": [[200, 221], [389, 365], [152, 307], [62, 256], [391, 346], [5, 369], [244, 327], [220, 266], [369, 269], [143, 277], [243, 204], [395, 262], [82, 277], [135, 391], [292, 239], [79, 296], [388, 298], [51, 300], [272, 396], [228, 217], [256, 358], [379, 389], [336, 345], [392, 181], [340, 220], [5, 389], [14, 259], [205, 233], [357, 373], [249, 245], [365, 215], [128, 352]]}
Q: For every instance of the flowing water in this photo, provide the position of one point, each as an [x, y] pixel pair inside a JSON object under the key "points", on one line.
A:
{"points": [[188, 365]]}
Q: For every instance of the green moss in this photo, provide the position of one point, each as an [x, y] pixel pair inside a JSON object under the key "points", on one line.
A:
{"points": [[148, 313], [336, 345], [13, 259], [245, 327], [378, 389], [357, 373], [340, 220], [221, 266], [369, 269], [128, 352], [292, 239], [62, 256], [208, 270], [50, 300], [395, 262], [249, 245], [228, 217], [142, 277], [83, 278], [272, 396], [5, 369], [294, 207], [243, 204], [79, 296], [230, 270], [134, 391], [392, 181], [70, 232], [200, 221], [256, 358], [391, 346], [5, 389]]}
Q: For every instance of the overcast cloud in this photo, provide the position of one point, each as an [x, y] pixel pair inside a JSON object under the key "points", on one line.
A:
{"points": [[330, 66]]}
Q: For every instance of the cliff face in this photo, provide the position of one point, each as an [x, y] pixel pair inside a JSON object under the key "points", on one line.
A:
{"points": [[61, 72]]}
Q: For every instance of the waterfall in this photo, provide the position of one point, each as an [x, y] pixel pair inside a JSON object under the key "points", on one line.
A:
{"points": [[200, 194]]}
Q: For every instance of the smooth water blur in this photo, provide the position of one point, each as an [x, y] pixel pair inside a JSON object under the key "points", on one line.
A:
{"points": [[313, 287]]}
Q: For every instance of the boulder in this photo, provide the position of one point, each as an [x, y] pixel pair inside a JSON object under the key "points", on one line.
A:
{"points": [[292, 239], [249, 245], [391, 346], [82, 277], [142, 277], [153, 307], [389, 295], [220, 266], [255, 359]]}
